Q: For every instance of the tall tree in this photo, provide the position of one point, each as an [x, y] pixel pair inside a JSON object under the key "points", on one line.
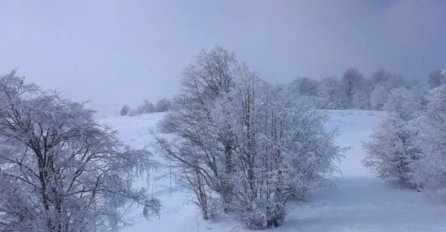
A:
{"points": [[60, 170], [244, 144]]}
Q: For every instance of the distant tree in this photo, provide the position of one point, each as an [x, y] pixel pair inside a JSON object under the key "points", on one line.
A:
{"points": [[379, 77], [124, 110], [305, 86], [146, 107], [382, 83], [133, 112], [60, 170], [405, 103], [163, 105], [332, 95], [378, 96], [436, 78], [355, 88]]}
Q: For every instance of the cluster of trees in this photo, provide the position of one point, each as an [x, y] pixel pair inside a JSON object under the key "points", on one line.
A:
{"points": [[353, 90], [60, 170], [409, 147], [162, 105], [244, 146]]}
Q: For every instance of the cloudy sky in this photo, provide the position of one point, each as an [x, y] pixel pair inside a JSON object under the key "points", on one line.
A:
{"points": [[120, 52]]}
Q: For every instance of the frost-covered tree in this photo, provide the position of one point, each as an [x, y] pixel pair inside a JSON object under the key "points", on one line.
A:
{"points": [[146, 107], [394, 152], [378, 96], [332, 95], [382, 83], [355, 88], [305, 86], [163, 105], [405, 103], [433, 134], [437, 78], [283, 151], [124, 110], [203, 151], [60, 170], [244, 145]]}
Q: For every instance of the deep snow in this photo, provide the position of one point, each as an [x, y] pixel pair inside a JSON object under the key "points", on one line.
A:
{"points": [[356, 200]]}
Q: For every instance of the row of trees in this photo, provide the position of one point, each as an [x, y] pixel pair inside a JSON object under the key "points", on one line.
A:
{"points": [[353, 90], [243, 146], [409, 147], [60, 170], [162, 105]]}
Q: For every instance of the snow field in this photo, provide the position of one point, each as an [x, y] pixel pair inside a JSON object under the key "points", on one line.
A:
{"points": [[354, 201]]}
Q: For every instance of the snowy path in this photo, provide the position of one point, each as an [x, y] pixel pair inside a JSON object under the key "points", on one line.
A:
{"points": [[357, 201]]}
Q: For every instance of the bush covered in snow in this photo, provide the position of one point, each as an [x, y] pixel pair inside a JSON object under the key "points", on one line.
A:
{"points": [[410, 144]]}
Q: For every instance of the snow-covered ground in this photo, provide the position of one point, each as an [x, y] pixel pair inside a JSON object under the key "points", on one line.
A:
{"points": [[357, 201]]}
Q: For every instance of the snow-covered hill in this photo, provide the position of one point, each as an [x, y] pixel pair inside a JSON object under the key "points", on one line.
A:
{"points": [[357, 201]]}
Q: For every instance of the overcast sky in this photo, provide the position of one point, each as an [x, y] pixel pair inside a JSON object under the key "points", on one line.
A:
{"points": [[120, 52]]}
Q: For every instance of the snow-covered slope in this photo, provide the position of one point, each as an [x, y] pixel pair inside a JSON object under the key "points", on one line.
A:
{"points": [[357, 201]]}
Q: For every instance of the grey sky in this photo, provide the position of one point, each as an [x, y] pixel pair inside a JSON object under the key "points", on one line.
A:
{"points": [[120, 52]]}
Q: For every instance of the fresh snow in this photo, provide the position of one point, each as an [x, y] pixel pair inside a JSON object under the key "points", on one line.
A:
{"points": [[355, 201]]}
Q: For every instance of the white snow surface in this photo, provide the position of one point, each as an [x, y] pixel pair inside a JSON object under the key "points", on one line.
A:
{"points": [[356, 201]]}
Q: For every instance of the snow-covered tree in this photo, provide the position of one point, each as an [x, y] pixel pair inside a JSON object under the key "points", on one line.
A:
{"points": [[332, 95], [305, 86], [405, 103], [203, 152], [355, 88], [378, 96], [60, 170], [382, 83], [394, 152], [437, 78], [146, 107], [124, 110], [283, 152], [433, 134], [163, 105], [244, 145]]}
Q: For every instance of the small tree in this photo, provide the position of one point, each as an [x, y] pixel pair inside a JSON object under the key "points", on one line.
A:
{"points": [[331, 94], [355, 89], [378, 96], [146, 107], [394, 152], [124, 110], [163, 105], [60, 170]]}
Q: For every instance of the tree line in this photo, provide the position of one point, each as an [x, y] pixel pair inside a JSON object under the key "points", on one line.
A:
{"points": [[146, 107]]}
